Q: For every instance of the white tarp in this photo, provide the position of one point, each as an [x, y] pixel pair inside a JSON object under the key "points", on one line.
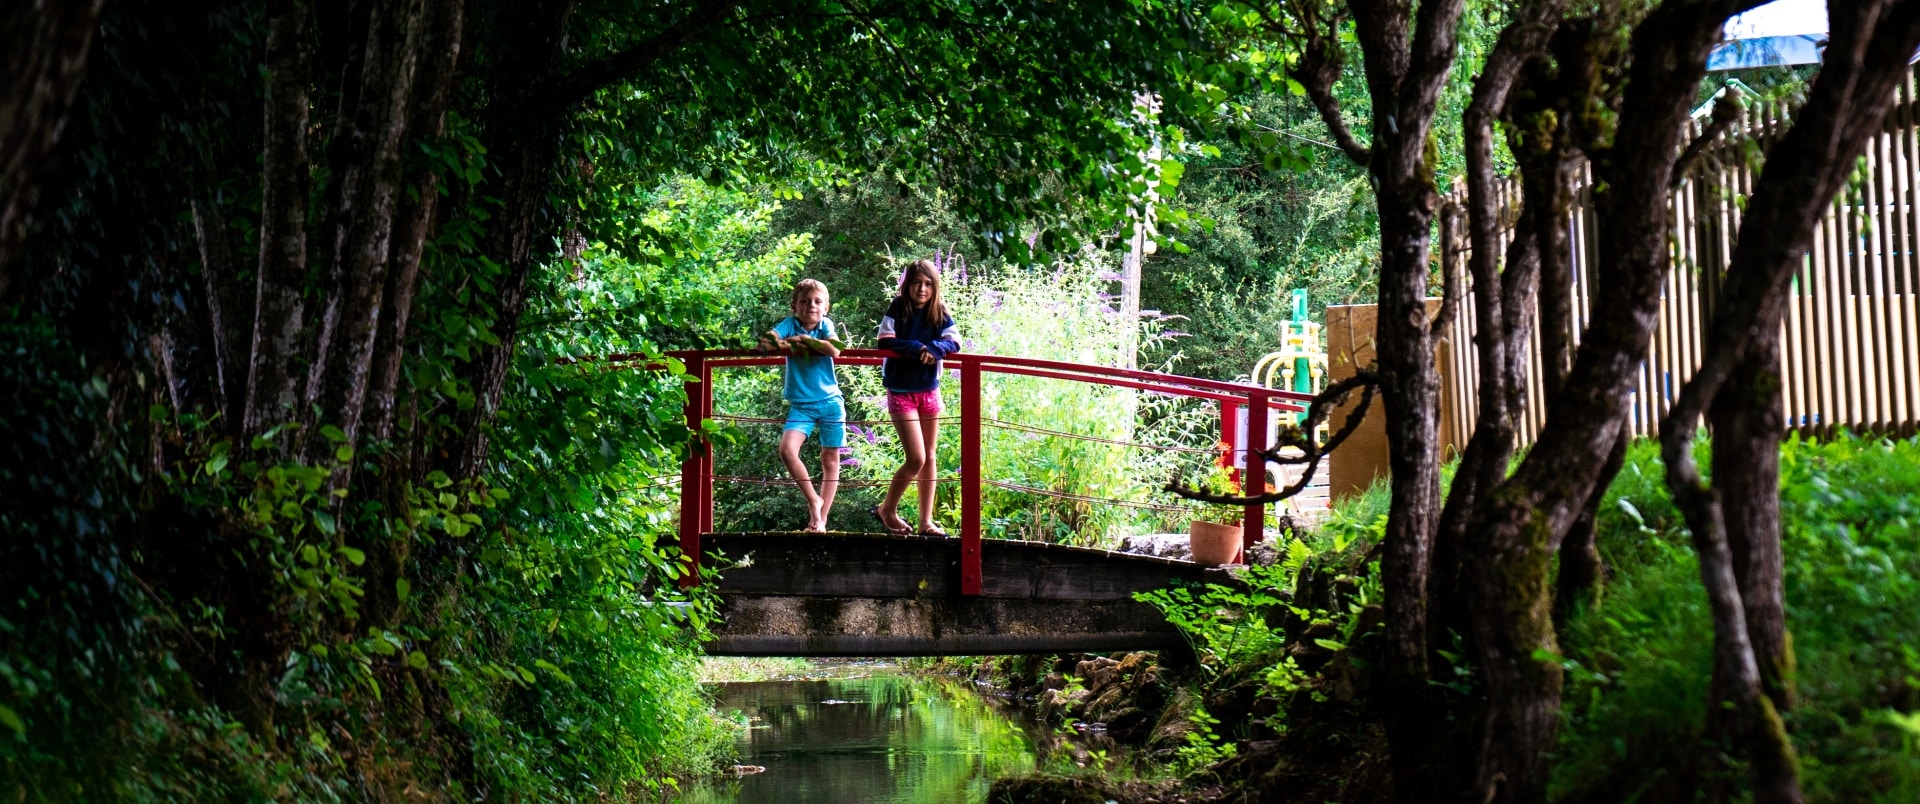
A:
{"points": [[1780, 33]]}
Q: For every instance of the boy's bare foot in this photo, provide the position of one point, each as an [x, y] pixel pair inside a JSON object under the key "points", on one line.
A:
{"points": [[930, 529]]}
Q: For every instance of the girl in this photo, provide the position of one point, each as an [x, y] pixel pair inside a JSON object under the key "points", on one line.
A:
{"points": [[918, 330], [812, 394]]}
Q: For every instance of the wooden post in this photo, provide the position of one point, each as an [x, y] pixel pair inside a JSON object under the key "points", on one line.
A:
{"points": [[969, 477], [695, 511]]}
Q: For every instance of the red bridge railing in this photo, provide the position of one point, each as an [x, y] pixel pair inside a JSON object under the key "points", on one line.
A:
{"points": [[696, 472]]}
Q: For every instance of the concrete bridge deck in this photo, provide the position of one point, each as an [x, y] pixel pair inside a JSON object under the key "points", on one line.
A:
{"points": [[843, 594]]}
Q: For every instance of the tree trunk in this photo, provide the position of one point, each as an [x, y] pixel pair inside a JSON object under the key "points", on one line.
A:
{"points": [[441, 50], [1484, 461], [365, 155], [43, 54], [524, 147], [524, 134], [274, 366], [227, 316], [1522, 519], [1404, 79], [1581, 570], [1747, 420]]}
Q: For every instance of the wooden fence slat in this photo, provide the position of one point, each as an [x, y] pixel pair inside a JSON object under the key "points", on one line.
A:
{"points": [[1850, 351]]}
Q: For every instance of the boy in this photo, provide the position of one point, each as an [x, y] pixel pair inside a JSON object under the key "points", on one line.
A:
{"points": [[812, 394]]}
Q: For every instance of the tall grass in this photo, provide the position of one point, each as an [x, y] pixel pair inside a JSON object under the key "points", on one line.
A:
{"points": [[1640, 659], [1065, 312]]}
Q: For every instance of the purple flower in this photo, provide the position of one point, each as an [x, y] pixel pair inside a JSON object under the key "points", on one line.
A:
{"points": [[1174, 333], [1109, 276], [849, 461]]}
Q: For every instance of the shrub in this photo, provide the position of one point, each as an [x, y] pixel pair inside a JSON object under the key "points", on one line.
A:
{"points": [[1641, 658]]}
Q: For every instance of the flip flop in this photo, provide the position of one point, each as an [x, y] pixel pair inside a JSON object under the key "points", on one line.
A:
{"points": [[934, 533], [875, 511]]}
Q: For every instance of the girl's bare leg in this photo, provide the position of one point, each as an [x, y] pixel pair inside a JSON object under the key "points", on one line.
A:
{"points": [[829, 483], [929, 472], [907, 425], [790, 442]]}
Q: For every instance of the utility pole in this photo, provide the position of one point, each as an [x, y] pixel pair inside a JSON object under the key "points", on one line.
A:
{"points": [[1139, 243]]}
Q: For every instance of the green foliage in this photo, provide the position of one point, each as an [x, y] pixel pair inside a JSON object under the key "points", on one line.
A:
{"points": [[1255, 623], [1639, 666], [1270, 232], [587, 650]]}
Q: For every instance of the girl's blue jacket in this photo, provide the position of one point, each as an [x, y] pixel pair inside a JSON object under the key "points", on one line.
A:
{"points": [[905, 331]]}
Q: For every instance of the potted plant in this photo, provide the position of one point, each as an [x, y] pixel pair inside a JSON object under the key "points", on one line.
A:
{"points": [[1215, 532]]}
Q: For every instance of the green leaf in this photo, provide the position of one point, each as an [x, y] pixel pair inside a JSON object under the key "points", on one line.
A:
{"points": [[216, 463], [402, 589], [553, 669], [332, 433], [344, 453], [1170, 173], [417, 660], [354, 555], [12, 720]]}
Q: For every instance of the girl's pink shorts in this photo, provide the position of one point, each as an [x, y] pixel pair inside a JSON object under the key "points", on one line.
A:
{"points": [[925, 403]]}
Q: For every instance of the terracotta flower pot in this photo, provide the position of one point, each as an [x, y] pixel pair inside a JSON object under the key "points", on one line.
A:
{"points": [[1213, 543]]}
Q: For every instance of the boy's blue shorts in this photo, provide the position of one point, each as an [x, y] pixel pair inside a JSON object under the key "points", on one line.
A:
{"points": [[830, 414]]}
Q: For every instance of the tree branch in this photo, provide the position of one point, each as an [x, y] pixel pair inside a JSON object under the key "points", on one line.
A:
{"points": [[1726, 112], [575, 88], [1450, 271], [1301, 438], [1319, 67]]}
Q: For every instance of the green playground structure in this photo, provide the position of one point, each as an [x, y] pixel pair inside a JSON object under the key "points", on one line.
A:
{"points": [[1300, 365]]}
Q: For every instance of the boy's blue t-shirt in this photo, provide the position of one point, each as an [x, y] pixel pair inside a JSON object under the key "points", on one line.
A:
{"points": [[808, 377]]}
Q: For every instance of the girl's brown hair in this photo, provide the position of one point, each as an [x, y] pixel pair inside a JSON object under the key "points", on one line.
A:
{"points": [[935, 305]]}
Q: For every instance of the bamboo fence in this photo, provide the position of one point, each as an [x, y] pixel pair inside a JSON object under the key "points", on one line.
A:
{"points": [[1850, 349]]}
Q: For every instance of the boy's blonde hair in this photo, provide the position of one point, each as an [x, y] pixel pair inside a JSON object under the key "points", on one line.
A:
{"points": [[804, 287]]}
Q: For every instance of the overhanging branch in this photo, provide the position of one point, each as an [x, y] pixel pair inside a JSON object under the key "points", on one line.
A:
{"points": [[1300, 438], [576, 87]]}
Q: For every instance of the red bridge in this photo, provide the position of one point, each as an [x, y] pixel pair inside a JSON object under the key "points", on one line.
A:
{"points": [[801, 594]]}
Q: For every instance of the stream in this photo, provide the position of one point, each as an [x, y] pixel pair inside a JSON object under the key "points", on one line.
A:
{"points": [[868, 732]]}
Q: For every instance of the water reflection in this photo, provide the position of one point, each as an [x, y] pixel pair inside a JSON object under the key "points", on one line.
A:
{"points": [[885, 738]]}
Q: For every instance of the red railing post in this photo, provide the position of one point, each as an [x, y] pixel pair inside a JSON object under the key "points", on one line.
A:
{"points": [[1253, 480], [969, 476], [706, 454], [1229, 422], [695, 479]]}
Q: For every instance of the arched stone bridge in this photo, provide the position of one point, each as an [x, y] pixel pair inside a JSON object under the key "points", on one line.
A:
{"points": [[840, 594]]}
